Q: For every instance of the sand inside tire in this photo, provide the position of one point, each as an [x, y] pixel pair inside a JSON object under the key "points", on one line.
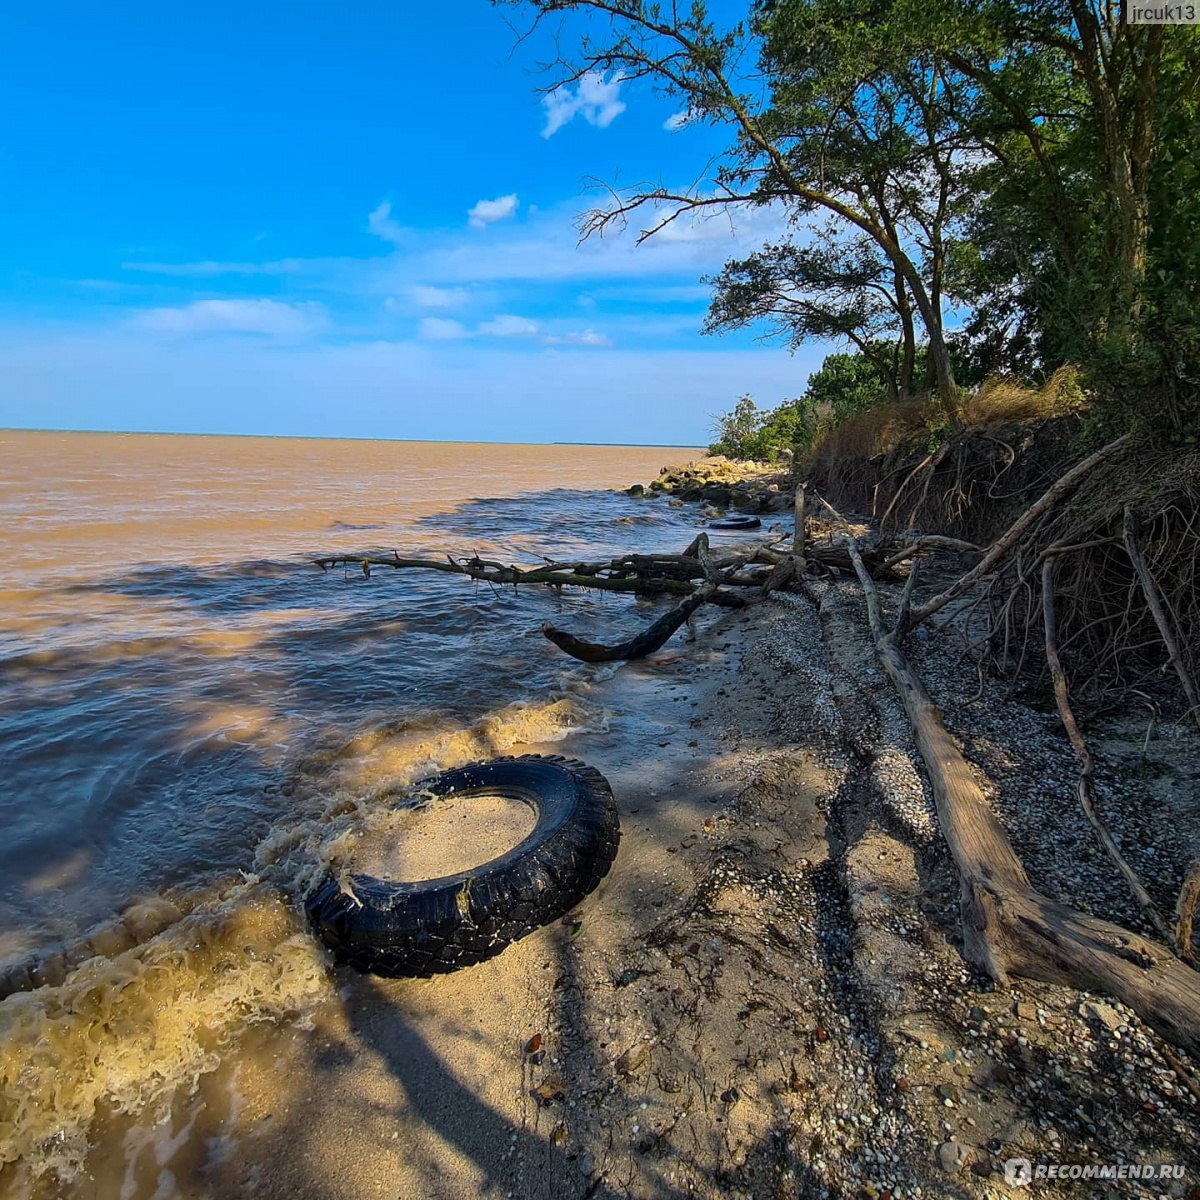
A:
{"points": [[450, 835]]}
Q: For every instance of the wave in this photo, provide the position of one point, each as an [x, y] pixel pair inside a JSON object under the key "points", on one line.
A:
{"points": [[144, 1006]]}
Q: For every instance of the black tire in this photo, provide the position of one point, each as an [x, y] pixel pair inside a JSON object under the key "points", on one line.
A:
{"points": [[735, 523], [439, 925]]}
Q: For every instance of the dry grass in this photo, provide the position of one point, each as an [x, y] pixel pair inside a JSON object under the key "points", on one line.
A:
{"points": [[874, 431], [999, 400]]}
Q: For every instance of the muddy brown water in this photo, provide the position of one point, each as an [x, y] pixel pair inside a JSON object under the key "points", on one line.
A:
{"points": [[190, 710]]}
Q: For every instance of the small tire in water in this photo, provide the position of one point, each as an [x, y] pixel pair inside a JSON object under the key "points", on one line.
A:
{"points": [[438, 925], [735, 523]]}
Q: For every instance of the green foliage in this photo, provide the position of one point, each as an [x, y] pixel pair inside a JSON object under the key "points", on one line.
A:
{"points": [[1031, 165], [844, 384], [753, 434]]}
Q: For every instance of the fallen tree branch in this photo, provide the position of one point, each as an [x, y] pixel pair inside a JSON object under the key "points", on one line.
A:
{"points": [[654, 636], [639, 646], [1087, 766], [1003, 546], [1008, 927], [636, 574], [934, 540]]}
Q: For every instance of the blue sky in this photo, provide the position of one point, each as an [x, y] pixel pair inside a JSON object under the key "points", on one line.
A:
{"points": [[346, 220]]}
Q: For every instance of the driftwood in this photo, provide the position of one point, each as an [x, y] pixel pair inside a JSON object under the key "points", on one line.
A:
{"points": [[650, 639], [654, 636], [1185, 911], [800, 535], [1008, 927]]}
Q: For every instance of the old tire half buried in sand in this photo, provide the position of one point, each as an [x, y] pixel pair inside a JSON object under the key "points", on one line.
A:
{"points": [[439, 925], [735, 523]]}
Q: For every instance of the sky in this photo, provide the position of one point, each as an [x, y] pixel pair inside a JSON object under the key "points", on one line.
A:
{"points": [[349, 220]]}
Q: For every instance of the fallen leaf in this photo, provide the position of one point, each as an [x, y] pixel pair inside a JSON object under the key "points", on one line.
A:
{"points": [[633, 1059]]}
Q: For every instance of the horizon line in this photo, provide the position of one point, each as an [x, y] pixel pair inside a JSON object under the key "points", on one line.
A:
{"points": [[322, 437]]}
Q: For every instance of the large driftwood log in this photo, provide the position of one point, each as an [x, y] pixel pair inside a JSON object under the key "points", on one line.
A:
{"points": [[1008, 927]]}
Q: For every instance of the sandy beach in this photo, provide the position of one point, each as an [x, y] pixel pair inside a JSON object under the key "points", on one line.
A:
{"points": [[764, 998]]}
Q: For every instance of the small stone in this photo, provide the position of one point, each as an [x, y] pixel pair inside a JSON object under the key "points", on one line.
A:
{"points": [[1100, 1014], [1026, 1011], [950, 1157]]}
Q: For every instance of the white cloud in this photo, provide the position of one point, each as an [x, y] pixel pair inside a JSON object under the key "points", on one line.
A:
{"points": [[439, 329], [676, 121], [587, 337], [487, 211], [506, 325], [426, 296], [381, 224], [235, 316], [596, 99]]}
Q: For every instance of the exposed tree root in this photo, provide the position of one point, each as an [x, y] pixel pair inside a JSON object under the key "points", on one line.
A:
{"points": [[1008, 927], [1087, 767], [1007, 542], [1155, 604]]}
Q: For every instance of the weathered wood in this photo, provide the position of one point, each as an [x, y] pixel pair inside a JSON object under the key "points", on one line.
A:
{"points": [[800, 536], [639, 646], [929, 541], [1185, 911], [655, 635]]}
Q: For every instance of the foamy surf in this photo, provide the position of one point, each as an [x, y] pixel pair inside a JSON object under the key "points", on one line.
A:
{"points": [[163, 997]]}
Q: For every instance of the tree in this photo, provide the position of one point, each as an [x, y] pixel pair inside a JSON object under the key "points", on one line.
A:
{"points": [[823, 292], [1023, 159], [835, 135], [736, 430]]}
